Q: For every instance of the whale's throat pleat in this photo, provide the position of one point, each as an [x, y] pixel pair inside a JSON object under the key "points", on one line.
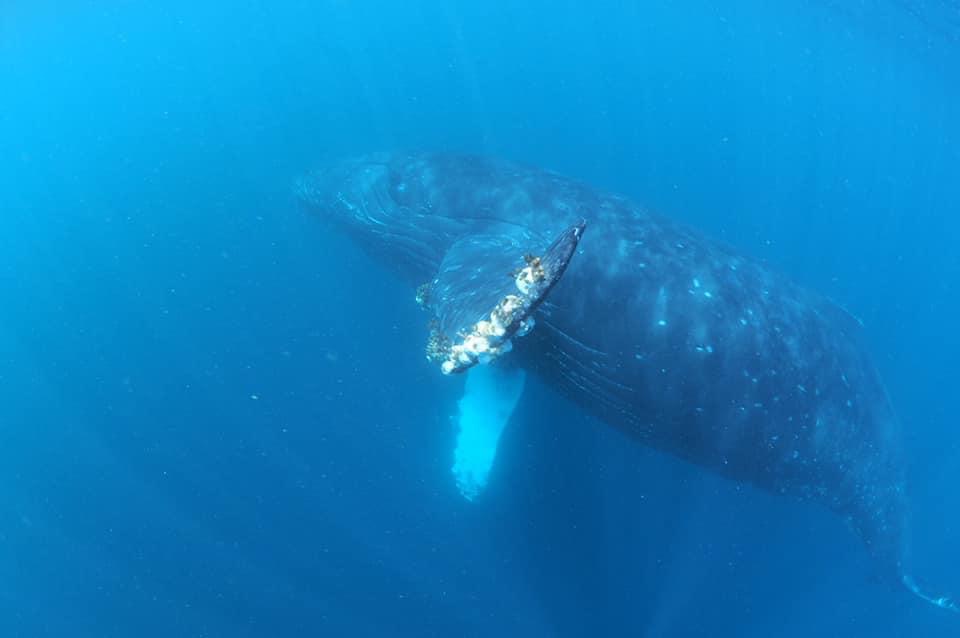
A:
{"points": [[490, 395]]}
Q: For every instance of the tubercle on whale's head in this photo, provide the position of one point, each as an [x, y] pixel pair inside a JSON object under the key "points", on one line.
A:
{"points": [[382, 201]]}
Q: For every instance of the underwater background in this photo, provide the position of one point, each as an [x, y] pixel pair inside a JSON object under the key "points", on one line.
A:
{"points": [[217, 420]]}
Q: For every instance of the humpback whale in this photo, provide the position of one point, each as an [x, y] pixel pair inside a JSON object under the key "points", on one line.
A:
{"points": [[678, 340]]}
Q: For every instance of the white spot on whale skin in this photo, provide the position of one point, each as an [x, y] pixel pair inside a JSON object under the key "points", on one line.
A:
{"points": [[660, 307]]}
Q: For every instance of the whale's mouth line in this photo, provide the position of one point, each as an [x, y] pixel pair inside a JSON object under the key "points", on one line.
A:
{"points": [[364, 206]]}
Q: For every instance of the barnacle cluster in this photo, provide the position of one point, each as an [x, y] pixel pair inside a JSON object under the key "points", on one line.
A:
{"points": [[486, 340], [438, 344], [530, 275], [423, 294], [483, 343]]}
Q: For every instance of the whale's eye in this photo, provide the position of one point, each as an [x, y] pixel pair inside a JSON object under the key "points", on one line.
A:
{"points": [[404, 189]]}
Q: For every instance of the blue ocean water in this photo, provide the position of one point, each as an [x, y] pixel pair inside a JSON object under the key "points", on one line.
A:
{"points": [[216, 419]]}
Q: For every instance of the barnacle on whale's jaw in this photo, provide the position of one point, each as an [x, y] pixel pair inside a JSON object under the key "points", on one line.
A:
{"points": [[510, 316], [489, 338]]}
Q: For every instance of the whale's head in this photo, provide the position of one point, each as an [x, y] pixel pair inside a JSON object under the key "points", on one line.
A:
{"points": [[386, 204]]}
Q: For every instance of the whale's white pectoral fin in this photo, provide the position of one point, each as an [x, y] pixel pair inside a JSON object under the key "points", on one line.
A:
{"points": [[484, 295], [490, 395]]}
